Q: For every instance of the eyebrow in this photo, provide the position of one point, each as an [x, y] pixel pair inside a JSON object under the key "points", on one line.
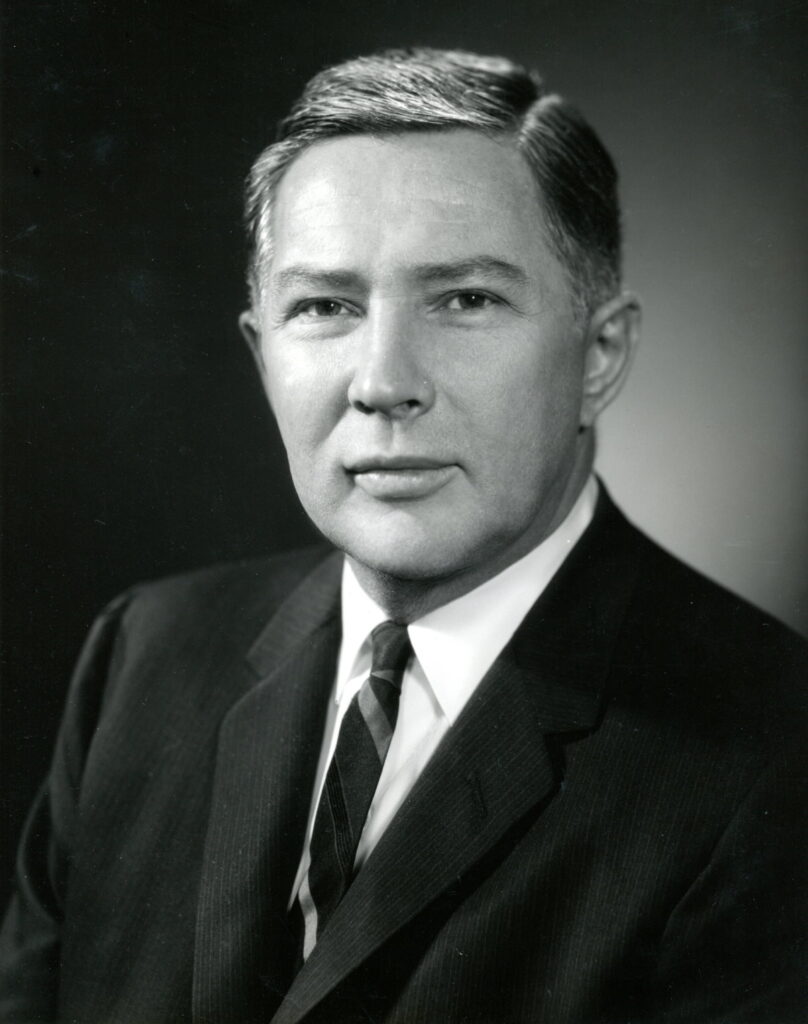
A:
{"points": [[426, 273], [486, 266], [300, 274]]}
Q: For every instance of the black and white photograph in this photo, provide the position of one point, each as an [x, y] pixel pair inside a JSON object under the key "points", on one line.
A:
{"points": [[404, 512]]}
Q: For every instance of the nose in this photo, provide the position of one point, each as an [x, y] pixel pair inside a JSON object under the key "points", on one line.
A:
{"points": [[390, 377]]}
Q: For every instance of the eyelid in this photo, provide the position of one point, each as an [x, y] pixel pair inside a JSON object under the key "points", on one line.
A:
{"points": [[460, 292], [298, 307]]}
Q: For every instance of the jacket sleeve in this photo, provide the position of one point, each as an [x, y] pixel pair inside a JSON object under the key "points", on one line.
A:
{"points": [[30, 934], [734, 949]]}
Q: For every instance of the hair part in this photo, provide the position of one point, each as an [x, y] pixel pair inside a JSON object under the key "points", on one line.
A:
{"points": [[417, 90]]}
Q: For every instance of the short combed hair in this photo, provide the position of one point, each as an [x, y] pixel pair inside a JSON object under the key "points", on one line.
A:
{"points": [[416, 90]]}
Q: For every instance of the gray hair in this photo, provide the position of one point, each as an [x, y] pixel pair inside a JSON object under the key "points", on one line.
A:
{"points": [[421, 89]]}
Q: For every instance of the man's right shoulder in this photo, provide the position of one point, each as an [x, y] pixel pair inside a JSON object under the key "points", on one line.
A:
{"points": [[245, 594], [280, 573]]}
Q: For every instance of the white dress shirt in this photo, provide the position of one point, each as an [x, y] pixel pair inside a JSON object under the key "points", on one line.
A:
{"points": [[454, 646]]}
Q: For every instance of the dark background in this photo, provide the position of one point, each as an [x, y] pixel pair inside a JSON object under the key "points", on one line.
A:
{"points": [[135, 438]]}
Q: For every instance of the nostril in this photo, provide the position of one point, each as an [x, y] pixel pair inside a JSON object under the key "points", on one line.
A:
{"points": [[404, 408], [390, 388]]}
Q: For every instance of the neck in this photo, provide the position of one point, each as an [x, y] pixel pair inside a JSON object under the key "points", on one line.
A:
{"points": [[406, 600]]}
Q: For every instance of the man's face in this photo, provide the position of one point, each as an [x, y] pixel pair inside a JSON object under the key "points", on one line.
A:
{"points": [[420, 352]]}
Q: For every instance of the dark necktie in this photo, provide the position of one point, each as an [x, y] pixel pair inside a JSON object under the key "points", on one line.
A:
{"points": [[351, 780]]}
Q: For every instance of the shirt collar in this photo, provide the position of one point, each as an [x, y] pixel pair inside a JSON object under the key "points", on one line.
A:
{"points": [[456, 644], [360, 616]]}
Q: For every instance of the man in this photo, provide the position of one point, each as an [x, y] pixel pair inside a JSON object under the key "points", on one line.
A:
{"points": [[504, 759]]}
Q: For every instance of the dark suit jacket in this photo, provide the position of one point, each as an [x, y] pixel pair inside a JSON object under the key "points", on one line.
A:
{"points": [[612, 831]]}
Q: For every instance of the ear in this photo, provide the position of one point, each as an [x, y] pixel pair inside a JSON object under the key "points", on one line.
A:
{"points": [[251, 331], [611, 340]]}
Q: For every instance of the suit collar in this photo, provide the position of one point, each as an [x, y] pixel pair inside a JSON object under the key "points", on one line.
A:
{"points": [[312, 603], [565, 643], [268, 747], [486, 776], [496, 768]]}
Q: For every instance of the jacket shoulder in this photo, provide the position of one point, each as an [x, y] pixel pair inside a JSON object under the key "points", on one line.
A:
{"points": [[236, 597], [701, 615], [276, 574], [712, 655]]}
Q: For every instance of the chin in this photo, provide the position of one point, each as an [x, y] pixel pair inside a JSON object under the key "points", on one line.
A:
{"points": [[406, 554]]}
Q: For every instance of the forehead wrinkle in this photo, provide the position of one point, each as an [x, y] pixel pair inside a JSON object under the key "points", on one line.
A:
{"points": [[449, 193], [472, 214]]}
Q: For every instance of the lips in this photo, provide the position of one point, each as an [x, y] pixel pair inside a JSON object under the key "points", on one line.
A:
{"points": [[395, 462], [400, 477]]}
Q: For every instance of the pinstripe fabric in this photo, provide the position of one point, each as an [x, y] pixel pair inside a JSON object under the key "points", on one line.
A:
{"points": [[351, 781], [613, 831]]}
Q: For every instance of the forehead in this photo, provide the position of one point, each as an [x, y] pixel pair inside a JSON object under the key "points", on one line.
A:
{"points": [[391, 201]]}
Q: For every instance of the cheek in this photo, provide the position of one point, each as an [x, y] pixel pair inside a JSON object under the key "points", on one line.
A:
{"points": [[528, 421], [529, 396], [304, 394]]}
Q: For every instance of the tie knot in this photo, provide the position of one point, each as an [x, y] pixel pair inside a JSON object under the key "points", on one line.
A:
{"points": [[390, 652]]}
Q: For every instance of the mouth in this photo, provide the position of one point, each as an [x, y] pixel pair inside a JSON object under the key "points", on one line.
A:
{"points": [[402, 477]]}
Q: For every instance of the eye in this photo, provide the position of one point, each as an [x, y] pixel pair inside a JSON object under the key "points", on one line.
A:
{"points": [[322, 309], [467, 302]]}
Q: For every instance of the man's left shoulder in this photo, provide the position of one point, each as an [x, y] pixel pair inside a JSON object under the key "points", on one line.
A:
{"points": [[701, 615], [713, 649]]}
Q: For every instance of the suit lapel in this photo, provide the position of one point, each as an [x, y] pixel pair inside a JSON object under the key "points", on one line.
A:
{"points": [[494, 767], [267, 755]]}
